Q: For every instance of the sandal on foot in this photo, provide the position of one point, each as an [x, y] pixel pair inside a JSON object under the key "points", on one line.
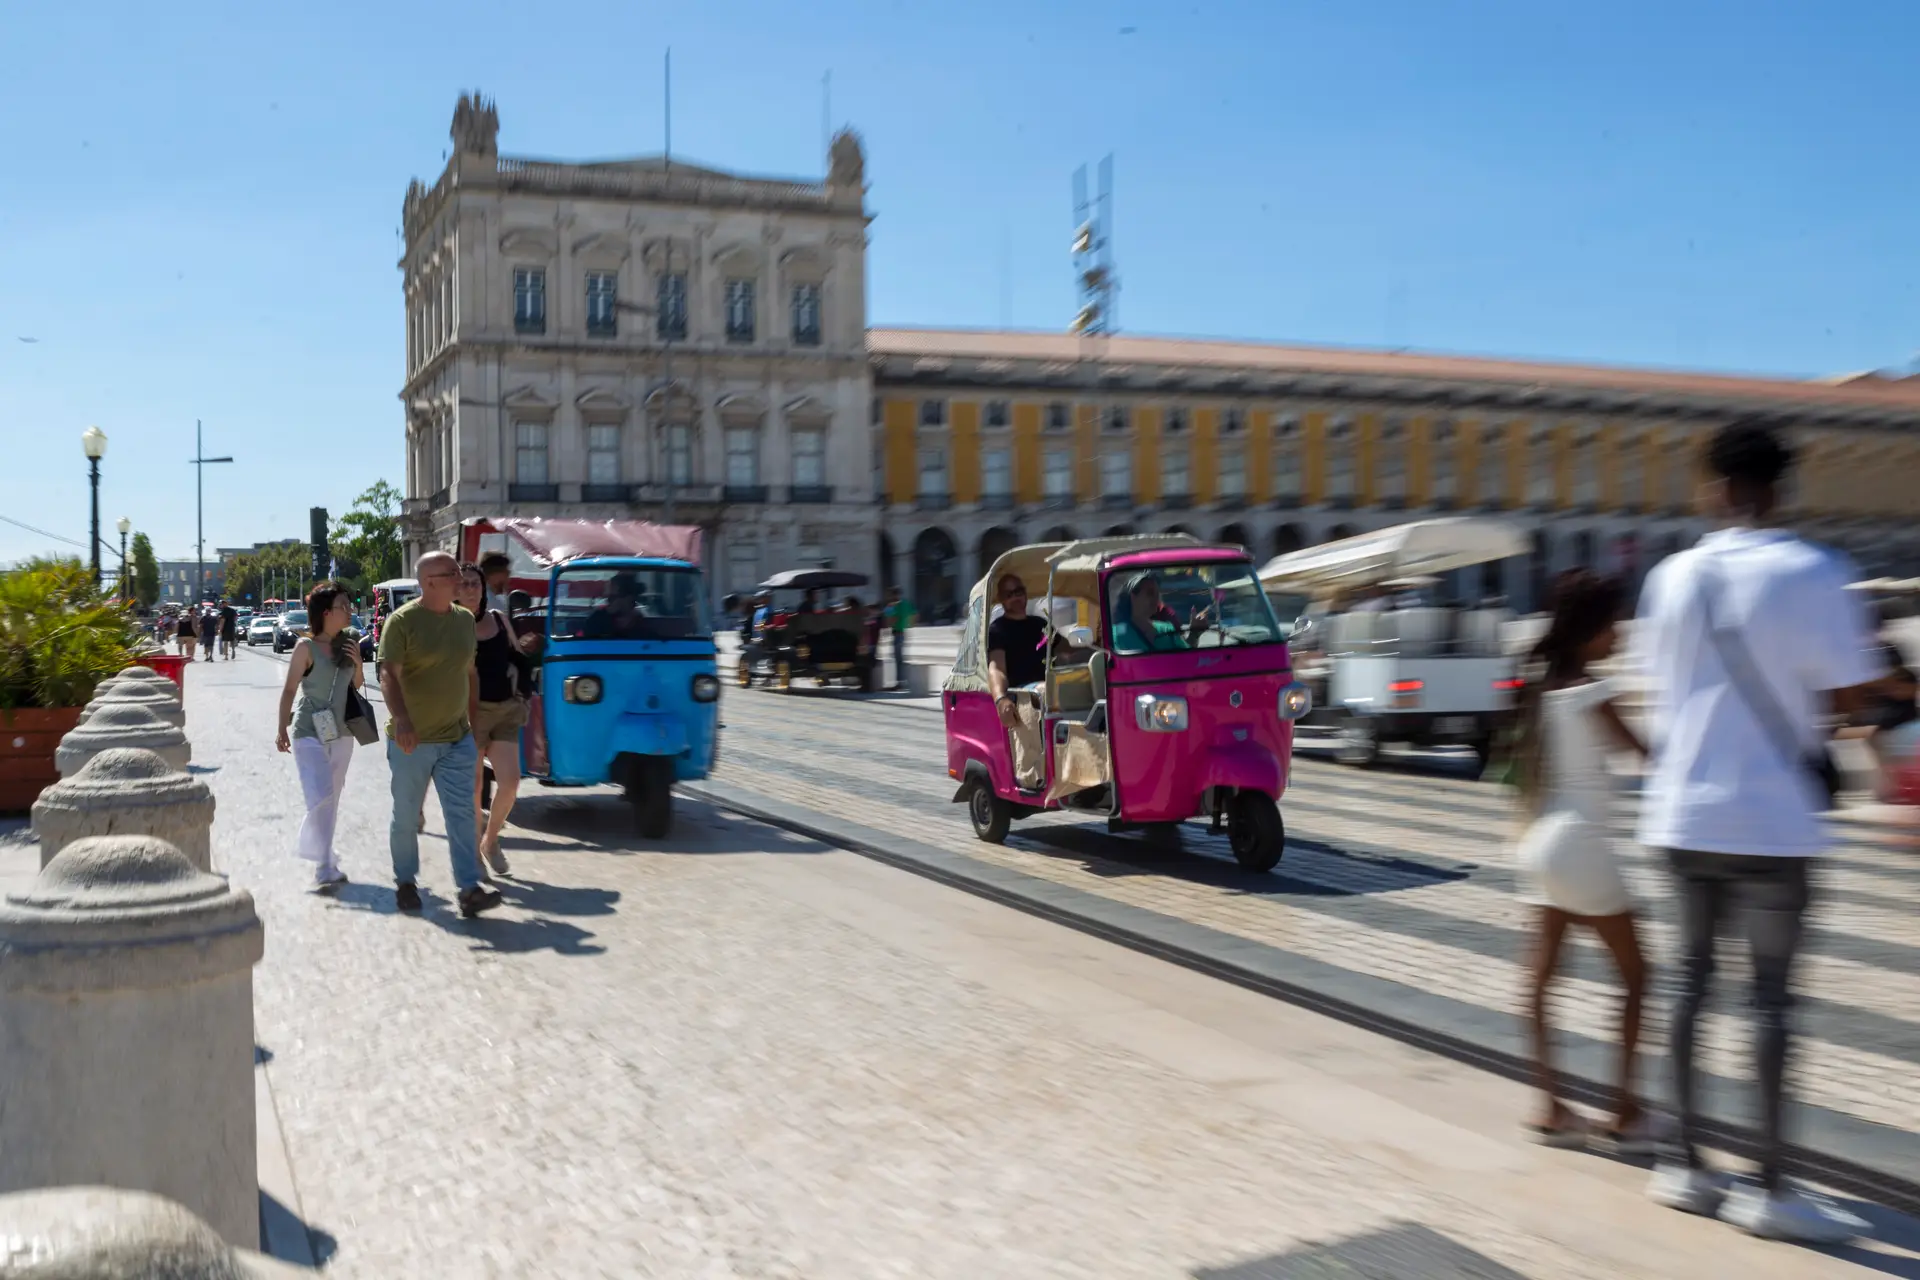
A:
{"points": [[1572, 1134]]}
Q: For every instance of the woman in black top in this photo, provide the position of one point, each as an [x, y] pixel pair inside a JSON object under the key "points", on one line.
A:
{"points": [[506, 678]]}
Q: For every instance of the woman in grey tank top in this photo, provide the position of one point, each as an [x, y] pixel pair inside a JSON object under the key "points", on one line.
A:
{"points": [[323, 670]]}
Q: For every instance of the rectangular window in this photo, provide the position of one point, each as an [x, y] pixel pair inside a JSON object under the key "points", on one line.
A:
{"points": [[1232, 485], [1176, 421], [933, 471], [1440, 450], [933, 413], [806, 315], [1286, 458], [998, 413], [1390, 463], [1232, 421], [1059, 416], [1115, 417], [739, 311], [1540, 469], [1116, 473], [603, 454], [679, 459], [1629, 478], [809, 459], [1059, 473], [603, 291], [1175, 477], [1340, 461], [670, 302], [530, 453], [743, 564], [1586, 470], [1492, 486], [529, 300], [743, 456], [996, 473]]}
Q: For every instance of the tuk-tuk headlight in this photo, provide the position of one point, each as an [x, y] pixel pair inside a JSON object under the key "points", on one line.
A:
{"points": [[706, 688], [1295, 701], [582, 689], [1156, 714]]}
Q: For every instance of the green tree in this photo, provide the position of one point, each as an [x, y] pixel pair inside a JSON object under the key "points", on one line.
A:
{"points": [[368, 535], [255, 575], [145, 571]]}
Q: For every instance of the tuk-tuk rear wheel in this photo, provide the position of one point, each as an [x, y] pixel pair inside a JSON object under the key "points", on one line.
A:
{"points": [[990, 814], [1255, 831]]}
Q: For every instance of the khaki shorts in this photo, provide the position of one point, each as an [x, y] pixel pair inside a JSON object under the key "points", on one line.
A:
{"points": [[499, 722]]}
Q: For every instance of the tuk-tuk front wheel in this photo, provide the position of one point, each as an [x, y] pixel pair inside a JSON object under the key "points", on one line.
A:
{"points": [[650, 792], [990, 814], [1255, 832]]}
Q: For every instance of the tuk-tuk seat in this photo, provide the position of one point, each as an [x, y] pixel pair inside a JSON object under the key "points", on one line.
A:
{"points": [[1070, 691]]}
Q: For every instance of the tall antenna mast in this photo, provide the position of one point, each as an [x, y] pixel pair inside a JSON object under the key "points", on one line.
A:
{"points": [[826, 113], [667, 155], [1093, 269]]}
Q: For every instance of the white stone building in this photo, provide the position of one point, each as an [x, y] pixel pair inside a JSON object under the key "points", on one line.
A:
{"points": [[641, 338]]}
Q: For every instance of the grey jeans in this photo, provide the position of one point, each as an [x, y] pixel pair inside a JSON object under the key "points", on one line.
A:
{"points": [[1771, 894]]}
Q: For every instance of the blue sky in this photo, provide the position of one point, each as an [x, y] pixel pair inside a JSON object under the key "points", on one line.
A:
{"points": [[198, 217]]}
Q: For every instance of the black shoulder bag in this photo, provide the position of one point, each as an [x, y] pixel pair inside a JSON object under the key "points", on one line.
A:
{"points": [[1816, 762]]}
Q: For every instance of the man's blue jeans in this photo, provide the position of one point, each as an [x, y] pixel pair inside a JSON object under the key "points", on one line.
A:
{"points": [[450, 767]]}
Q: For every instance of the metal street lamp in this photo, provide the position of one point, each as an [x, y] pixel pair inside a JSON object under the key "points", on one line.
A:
{"points": [[125, 526], [93, 441], [200, 461]]}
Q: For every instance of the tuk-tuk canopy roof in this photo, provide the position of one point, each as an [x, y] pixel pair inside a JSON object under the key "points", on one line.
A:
{"points": [[812, 579], [1420, 549], [548, 542], [1074, 567]]}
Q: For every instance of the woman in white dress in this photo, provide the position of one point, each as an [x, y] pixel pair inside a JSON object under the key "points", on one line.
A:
{"points": [[1568, 723]]}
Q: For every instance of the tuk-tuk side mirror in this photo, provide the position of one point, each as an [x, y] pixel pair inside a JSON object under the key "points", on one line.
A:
{"points": [[1097, 673]]}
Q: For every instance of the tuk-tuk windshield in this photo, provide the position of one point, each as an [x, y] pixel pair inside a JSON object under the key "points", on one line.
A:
{"points": [[1189, 606], [629, 603]]}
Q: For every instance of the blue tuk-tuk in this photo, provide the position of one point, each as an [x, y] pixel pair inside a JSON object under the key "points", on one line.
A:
{"points": [[627, 691]]}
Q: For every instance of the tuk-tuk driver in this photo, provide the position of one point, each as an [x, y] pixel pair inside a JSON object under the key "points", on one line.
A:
{"points": [[1148, 625], [618, 618]]}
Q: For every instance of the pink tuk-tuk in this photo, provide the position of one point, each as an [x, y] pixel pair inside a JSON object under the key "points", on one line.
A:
{"points": [[1168, 694]]}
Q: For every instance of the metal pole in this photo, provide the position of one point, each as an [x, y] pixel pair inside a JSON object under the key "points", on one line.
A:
{"points": [[93, 479], [199, 516], [126, 597]]}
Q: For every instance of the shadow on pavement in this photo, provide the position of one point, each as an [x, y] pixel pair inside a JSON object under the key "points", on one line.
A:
{"points": [[604, 823], [512, 935], [556, 899], [282, 1234], [1111, 856], [1403, 1249]]}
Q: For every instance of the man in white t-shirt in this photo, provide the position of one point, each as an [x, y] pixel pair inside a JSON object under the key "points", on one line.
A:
{"points": [[1749, 641]]}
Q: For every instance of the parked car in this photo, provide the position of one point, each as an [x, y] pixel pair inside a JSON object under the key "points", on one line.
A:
{"points": [[291, 625], [261, 629]]}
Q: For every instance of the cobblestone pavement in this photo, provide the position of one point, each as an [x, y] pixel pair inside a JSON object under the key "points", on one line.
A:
{"points": [[1401, 875], [736, 1054]]}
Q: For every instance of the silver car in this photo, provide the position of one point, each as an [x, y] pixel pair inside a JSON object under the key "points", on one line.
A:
{"points": [[260, 630]]}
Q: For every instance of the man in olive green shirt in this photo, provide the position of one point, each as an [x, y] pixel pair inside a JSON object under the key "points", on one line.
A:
{"points": [[428, 679]]}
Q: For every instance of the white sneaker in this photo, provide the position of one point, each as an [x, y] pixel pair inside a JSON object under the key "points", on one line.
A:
{"points": [[1689, 1190], [1787, 1214]]}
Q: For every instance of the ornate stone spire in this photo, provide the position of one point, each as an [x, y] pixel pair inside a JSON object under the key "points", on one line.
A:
{"points": [[476, 126], [847, 162]]}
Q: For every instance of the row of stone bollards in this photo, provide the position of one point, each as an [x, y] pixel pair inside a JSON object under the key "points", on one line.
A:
{"points": [[126, 1004]]}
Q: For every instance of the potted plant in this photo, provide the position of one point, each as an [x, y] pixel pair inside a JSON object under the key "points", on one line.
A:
{"points": [[59, 638]]}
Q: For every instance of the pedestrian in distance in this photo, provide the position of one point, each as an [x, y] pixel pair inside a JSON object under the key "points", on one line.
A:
{"points": [[209, 631], [497, 568], [184, 635], [505, 681], [229, 629], [431, 689], [1566, 725], [899, 615], [323, 670], [1750, 641]]}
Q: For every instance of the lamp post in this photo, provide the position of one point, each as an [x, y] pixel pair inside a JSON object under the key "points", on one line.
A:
{"points": [[93, 441], [200, 461], [125, 526]]}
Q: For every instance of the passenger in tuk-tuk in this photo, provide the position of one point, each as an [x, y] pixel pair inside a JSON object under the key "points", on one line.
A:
{"points": [[1148, 626], [1017, 663]]}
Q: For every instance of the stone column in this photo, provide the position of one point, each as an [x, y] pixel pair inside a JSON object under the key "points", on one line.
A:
{"points": [[121, 725], [143, 696], [103, 1232], [127, 998], [127, 791]]}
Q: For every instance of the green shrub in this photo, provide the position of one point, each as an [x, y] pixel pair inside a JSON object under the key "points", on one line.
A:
{"points": [[59, 636]]}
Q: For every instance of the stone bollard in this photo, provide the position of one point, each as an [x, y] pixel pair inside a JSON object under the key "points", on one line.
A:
{"points": [[120, 724], [126, 994], [144, 696], [145, 678], [100, 1233], [126, 791]]}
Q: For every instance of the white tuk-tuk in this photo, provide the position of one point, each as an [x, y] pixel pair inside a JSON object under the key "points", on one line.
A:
{"points": [[1385, 661]]}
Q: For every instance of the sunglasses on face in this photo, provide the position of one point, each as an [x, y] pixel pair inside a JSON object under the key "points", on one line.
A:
{"points": [[1013, 591]]}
